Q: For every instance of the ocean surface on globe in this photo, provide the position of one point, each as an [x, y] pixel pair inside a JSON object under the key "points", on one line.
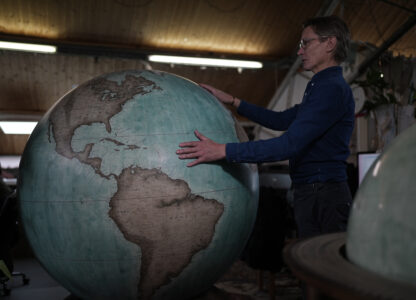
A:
{"points": [[381, 235], [108, 208]]}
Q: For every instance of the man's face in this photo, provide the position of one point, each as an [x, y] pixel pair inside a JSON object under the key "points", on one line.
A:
{"points": [[314, 54]]}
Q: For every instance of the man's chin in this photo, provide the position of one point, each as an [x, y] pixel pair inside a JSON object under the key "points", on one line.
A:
{"points": [[306, 67]]}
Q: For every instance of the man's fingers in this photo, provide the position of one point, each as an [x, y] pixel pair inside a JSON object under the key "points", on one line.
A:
{"points": [[188, 156], [186, 150], [200, 136], [207, 87], [198, 150], [188, 144], [193, 163]]}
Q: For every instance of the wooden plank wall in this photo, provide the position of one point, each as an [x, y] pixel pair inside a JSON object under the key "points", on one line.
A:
{"points": [[32, 83]]}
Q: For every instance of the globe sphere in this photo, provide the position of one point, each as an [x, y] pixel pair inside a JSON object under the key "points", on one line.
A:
{"points": [[109, 209], [381, 235]]}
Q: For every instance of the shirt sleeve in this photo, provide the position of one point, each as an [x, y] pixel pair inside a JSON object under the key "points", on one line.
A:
{"points": [[266, 117], [320, 110]]}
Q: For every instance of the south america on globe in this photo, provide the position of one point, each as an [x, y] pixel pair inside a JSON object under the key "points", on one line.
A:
{"points": [[108, 208]]}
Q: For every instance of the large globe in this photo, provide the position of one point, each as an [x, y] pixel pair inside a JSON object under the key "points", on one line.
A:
{"points": [[381, 233], [109, 209]]}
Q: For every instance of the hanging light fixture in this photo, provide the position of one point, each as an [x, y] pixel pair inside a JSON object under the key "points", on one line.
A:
{"points": [[27, 47], [209, 62], [17, 127]]}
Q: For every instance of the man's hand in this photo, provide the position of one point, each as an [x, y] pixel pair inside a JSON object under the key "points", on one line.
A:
{"points": [[204, 150], [222, 96]]}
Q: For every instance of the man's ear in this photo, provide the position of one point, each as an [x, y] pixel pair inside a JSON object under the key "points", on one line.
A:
{"points": [[332, 43]]}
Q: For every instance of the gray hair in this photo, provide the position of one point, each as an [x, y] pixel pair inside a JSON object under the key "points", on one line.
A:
{"points": [[332, 26]]}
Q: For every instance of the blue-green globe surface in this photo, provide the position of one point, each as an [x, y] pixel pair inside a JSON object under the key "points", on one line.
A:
{"points": [[381, 234], [109, 209]]}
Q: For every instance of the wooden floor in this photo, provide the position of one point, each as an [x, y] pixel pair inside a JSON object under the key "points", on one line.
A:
{"points": [[239, 283], [41, 286]]}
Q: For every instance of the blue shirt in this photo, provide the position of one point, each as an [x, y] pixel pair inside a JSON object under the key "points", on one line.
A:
{"points": [[317, 136]]}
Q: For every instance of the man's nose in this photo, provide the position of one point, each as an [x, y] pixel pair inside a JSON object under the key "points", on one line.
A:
{"points": [[300, 51]]}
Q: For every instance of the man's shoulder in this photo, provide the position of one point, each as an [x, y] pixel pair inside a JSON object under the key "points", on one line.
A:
{"points": [[335, 84], [331, 86], [332, 92]]}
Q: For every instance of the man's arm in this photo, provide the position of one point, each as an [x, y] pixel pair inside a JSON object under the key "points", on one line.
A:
{"points": [[268, 118], [265, 117], [314, 117]]}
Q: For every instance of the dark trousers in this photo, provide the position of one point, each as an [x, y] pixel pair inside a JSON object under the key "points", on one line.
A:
{"points": [[321, 208]]}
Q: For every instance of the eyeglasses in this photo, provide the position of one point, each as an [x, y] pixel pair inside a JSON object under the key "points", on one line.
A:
{"points": [[304, 42]]}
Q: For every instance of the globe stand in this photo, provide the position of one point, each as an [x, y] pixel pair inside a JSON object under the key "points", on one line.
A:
{"points": [[320, 262]]}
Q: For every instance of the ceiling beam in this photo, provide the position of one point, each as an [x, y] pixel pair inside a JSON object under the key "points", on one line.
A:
{"points": [[134, 52], [411, 21], [399, 6], [22, 115]]}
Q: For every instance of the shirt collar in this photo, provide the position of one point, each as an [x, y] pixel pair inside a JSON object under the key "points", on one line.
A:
{"points": [[328, 72]]}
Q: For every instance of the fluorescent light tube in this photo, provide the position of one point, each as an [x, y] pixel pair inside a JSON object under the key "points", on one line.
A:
{"points": [[17, 127], [213, 62], [28, 47]]}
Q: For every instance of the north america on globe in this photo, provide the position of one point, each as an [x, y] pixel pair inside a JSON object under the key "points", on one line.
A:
{"points": [[141, 222]]}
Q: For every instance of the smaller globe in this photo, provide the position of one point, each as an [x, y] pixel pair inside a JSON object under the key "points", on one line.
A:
{"points": [[381, 234]]}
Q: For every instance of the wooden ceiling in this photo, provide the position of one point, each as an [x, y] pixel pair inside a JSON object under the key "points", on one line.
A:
{"points": [[262, 28], [99, 36]]}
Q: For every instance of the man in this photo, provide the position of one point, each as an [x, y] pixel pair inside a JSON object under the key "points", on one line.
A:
{"points": [[317, 132]]}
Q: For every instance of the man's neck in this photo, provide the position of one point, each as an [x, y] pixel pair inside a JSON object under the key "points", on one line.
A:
{"points": [[326, 65]]}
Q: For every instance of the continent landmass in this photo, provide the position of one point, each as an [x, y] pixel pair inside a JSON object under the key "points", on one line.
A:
{"points": [[145, 198], [97, 101]]}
